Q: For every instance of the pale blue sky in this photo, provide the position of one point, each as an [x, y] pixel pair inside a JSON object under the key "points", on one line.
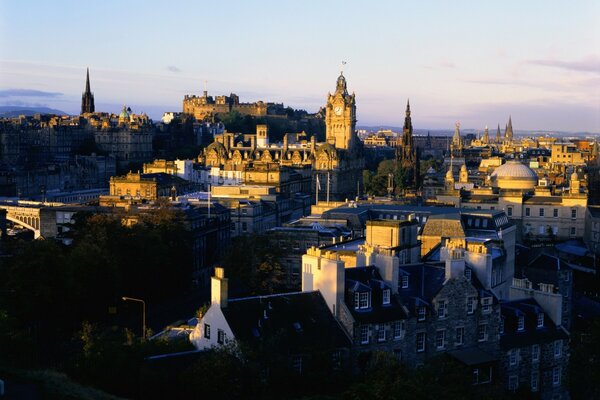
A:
{"points": [[469, 61]]}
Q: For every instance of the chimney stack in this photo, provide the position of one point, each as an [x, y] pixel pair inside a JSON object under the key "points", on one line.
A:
{"points": [[219, 287]]}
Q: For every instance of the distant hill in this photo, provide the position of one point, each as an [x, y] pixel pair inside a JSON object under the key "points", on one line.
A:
{"points": [[15, 111]]}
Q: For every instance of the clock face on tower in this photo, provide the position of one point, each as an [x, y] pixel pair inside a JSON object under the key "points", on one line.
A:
{"points": [[337, 110]]}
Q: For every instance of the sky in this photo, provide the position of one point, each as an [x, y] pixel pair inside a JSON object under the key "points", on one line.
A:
{"points": [[473, 62]]}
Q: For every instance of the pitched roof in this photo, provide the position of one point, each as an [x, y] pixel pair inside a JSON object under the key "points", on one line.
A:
{"points": [[300, 320], [531, 334], [368, 279]]}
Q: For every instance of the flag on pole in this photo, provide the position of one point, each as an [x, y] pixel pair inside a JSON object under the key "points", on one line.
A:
{"points": [[318, 183]]}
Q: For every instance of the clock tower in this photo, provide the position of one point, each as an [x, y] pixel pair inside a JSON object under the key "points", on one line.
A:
{"points": [[340, 117]]}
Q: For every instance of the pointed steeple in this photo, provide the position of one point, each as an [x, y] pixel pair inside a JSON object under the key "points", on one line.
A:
{"points": [[486, 135], [407, 119], [498, 135], [508, 134], [87, 81], [87, 98]]}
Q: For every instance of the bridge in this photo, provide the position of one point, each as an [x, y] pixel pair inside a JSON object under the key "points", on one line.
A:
{"points": [[38, 217]]}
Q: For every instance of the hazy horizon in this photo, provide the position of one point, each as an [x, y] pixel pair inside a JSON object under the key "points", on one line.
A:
{"points": [[476, 63]]}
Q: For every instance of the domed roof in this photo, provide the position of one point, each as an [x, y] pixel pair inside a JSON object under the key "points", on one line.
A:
{"points": [[514, 175], [514, 170]]}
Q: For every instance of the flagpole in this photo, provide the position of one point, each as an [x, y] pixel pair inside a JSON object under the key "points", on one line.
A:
{"points": [[317, 187], [327, 187], [209, 202]]}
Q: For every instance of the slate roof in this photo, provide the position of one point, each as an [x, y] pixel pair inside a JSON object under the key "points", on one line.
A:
{"points": [[424, 282], [300, 320], [531, 334], [361, 279]]}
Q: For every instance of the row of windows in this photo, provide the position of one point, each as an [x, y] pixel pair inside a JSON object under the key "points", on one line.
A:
{"points": [[514, 354], [398, 329], [542, 212], [513, 380], [441, 337]]}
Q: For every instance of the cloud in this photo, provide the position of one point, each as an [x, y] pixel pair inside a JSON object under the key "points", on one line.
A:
{"points": [[173, 68], [589, 64], [27, 93]]}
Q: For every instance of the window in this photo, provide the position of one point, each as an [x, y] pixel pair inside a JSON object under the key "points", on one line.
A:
{"points": [[470, 305], [364, 300], [573, 231], [527, 211], [513, 383], [555, 213], [382, 333], [557, 348], [420, 342], [541, 212], [556, 376], [509, 211], [482, 332], [535, 378], [398, 330], [356, 300], [468, 273], [442, 309], [535, 353], [386, 296], [207, 331], [460, 335], [421, 313], [540, 320], [364, 334], [244, 226], [404, 281], [297, 364], [573, 213], [521, 323], [486, 305], [440, 339], [513, 357], [501, 328], [220, 336]]}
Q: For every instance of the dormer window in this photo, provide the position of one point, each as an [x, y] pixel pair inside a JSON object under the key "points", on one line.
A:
{"points": [[421, 312], [404, 281], [362, 300], [386, 296], [521, 323], [540, 320], [468, 274]]}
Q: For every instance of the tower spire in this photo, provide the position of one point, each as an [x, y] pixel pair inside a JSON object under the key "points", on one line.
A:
{"points": [[87, 98], [87, 81]]}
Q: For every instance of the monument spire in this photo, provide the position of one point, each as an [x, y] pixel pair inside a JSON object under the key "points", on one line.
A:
{"points": [[87, 98]]}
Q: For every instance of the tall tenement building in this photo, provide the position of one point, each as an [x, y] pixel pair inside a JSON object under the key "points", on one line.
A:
{"points": [[87, 98]]}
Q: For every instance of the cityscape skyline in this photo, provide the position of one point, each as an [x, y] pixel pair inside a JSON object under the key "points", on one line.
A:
{"points": [[467, 69]]}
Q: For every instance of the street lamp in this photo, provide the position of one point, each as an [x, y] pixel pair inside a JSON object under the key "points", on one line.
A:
{"points": [[143, 313]]}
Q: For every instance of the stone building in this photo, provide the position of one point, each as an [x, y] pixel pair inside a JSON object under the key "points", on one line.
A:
{"points": [[298, 324], [540, 210], [334, 167], [534, 350], [205, 106], [138, 187]]}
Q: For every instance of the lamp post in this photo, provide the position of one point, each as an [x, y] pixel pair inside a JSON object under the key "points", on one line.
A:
{"points": [[125, 298]]}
